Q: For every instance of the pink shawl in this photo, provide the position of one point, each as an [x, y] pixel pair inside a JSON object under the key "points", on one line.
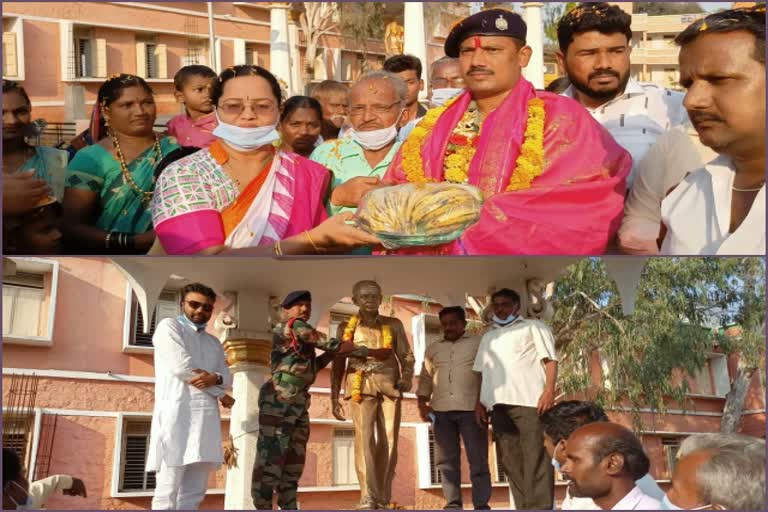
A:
{"points": [[573, 207]]}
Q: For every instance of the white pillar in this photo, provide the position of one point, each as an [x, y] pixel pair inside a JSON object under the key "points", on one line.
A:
{"points": [[244, 427], [534, 72], [248, 349], [279, 47], [296, 85], [415, 40]]}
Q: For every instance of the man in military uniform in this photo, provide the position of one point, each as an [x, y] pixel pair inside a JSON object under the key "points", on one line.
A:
{"points": [[375, 390], [284, 401]]}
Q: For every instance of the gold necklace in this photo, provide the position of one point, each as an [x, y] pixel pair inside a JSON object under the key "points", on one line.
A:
{"points": [[128, 178]]}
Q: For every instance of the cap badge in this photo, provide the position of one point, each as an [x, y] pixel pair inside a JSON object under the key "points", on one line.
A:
{"points": [[501, 23]]}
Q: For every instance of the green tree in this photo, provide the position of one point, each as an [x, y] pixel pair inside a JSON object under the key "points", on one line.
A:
{"points": [[552, 14], [362, 21], [678, 303]]}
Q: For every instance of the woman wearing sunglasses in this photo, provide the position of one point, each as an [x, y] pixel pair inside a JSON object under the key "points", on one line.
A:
{"points": [[242, 192]]}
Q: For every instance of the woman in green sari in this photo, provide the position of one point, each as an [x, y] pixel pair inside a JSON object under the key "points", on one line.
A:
{"points": [[109, 185], [31, 174]]}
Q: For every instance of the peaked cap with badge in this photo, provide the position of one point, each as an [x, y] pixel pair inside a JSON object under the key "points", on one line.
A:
{"points": [[493, 22]]}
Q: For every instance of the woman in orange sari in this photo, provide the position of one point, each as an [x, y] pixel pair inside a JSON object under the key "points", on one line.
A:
{"points": [[241, 192]]}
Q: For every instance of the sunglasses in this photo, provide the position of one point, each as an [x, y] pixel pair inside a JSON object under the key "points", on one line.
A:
{"points": [[200, 305]]}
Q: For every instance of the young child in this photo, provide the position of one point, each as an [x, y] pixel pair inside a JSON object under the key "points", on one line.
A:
{"points": [[36, 232], [193, 89]]}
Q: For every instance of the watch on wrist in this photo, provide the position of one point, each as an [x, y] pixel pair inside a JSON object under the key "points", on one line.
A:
{"points": [[219, 379]]}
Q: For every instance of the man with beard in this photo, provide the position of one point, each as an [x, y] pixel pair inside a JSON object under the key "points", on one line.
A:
{"points": [[595, 45], [720, 208], [603, 460], [191, 376]]}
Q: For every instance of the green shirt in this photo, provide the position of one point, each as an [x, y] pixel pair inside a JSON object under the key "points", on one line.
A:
{"points": [[346, 160]]}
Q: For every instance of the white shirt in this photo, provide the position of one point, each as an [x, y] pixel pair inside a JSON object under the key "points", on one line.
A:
{"points": [[41, 490], [697, 215], [511, 361], [637, 500], [186, 426], [647, 485], [675, 154], [638, 116]]}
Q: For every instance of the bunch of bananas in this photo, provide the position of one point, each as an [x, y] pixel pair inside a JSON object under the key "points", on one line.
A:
{"points": [[420, 214]]}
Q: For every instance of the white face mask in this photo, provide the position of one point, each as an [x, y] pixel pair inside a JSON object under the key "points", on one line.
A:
{"points": [[245, 139], [441, 96], [504, 321], [376, 139]]}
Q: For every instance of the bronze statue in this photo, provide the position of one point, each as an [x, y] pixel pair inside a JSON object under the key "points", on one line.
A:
{"points": [[374, 391], [394, 39]]}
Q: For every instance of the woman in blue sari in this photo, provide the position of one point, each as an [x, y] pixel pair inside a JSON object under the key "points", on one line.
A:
{"points": [[32, 174], [110, 184]]}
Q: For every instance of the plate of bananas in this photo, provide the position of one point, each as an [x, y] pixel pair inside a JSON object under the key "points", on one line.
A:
{"points": [[419, 214]]}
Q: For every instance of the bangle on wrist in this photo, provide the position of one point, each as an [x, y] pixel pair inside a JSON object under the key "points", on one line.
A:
{"points": [[309, 237], [276, 249], [107, 239]]}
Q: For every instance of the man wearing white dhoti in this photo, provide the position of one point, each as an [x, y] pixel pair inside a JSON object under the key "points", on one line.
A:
{"points": [[191, 375]]}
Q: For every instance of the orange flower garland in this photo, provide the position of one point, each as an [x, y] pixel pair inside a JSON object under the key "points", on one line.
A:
{"points": [[348, 337], [530, 162]]}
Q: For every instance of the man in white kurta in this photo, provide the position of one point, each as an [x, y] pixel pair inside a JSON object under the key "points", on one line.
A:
{"points": [[191, 375], [720, 209], [518, 364]]}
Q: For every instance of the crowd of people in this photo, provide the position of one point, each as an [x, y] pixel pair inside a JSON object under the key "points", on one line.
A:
{"points": [[605, 164]]}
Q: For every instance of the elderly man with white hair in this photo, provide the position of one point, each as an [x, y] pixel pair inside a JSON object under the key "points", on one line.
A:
{"points": [[718, 472], [377, 110]]}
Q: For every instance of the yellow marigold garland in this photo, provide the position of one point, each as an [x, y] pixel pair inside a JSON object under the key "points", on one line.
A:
{"points": [[349, 333], [530, 162]]}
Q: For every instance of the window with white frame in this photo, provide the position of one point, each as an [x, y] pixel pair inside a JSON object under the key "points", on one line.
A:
{"points": [[670, 446], [133, 457], [252, 57], [195, 55], [151, 58], [167, 307], [90, 54], [23, 298], [10, 54], [434, 472], [344, 457], [17, 434]]}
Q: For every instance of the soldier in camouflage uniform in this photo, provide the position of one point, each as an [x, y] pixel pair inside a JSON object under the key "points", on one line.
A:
{"points": [[284, 401]]}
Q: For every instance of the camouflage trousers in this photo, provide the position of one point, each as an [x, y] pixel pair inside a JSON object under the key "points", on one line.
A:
{"points": [[281, 448]]}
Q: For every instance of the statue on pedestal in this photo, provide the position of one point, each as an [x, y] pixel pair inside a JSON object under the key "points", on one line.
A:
{"points": [[374, 391], [394, 39]]}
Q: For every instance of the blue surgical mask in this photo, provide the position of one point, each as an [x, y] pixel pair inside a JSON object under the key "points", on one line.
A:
{"points": [[246, 139], [502, 322]]}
